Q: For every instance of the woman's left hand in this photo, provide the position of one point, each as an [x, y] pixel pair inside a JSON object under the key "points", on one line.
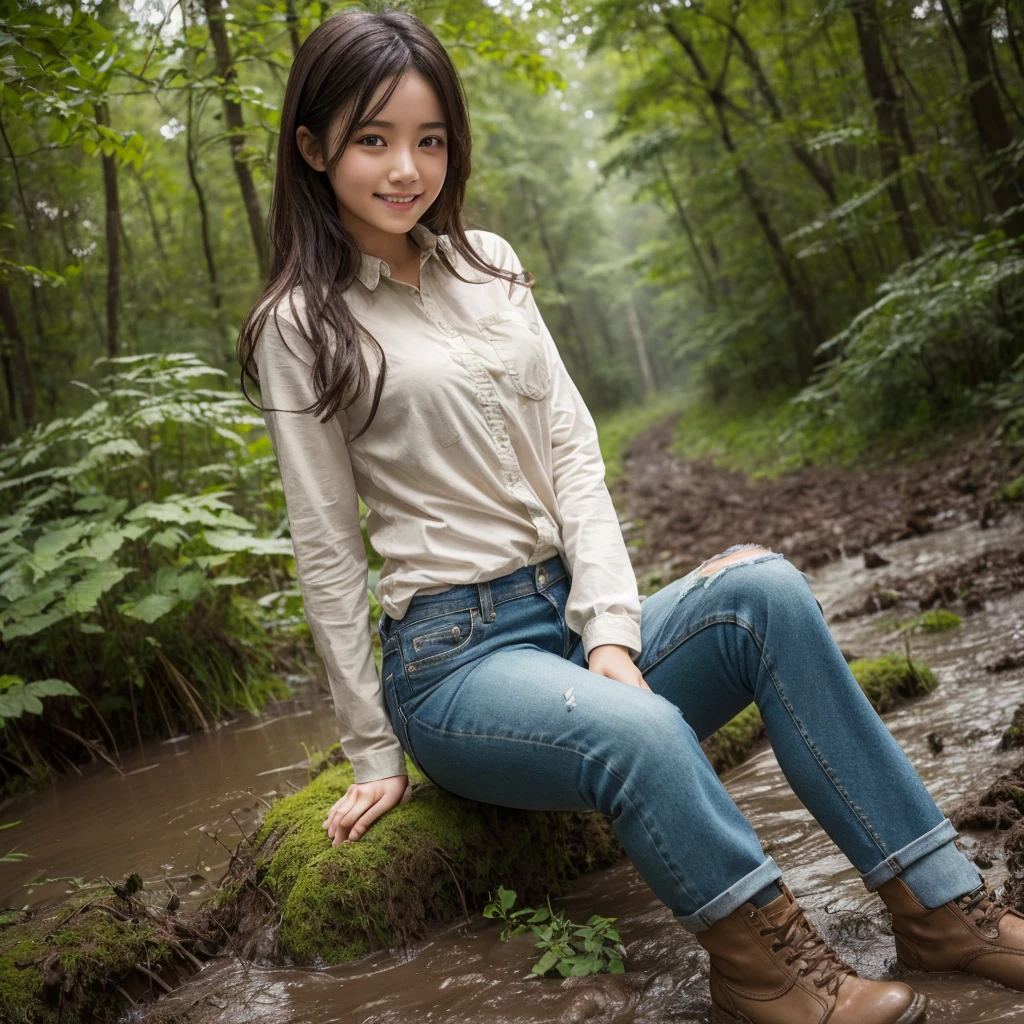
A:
{"points": [[615, 662]]}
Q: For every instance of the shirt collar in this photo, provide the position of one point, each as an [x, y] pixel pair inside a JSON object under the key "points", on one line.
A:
{"points": [[373, 268]]}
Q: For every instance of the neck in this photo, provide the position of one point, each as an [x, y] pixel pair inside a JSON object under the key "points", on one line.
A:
{"points": [[395, 248]]}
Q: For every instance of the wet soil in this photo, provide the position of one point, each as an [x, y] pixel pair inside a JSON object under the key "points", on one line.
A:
{"points": [[677, 513]]}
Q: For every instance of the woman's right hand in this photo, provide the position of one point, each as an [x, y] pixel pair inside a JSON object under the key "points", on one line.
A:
{"points": [[362, 804]]}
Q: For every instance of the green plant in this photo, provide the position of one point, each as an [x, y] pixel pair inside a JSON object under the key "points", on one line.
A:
{"points": [[571, 949], [937, 621]]}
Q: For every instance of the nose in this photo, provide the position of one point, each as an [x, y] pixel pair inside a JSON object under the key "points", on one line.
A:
{"points": [[404, 168]]}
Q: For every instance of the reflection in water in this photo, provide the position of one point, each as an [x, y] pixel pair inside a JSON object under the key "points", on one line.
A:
{"points": [[154, 821]]}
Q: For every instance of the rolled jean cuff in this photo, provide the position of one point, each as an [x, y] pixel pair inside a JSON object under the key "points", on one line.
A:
{"points": [[903, 858], [735, 896]]}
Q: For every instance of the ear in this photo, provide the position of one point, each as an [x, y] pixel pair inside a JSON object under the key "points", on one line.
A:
{"points": [[309, 148]]}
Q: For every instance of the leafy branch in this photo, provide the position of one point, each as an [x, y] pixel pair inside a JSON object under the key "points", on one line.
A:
{"points": [[571, 949]]}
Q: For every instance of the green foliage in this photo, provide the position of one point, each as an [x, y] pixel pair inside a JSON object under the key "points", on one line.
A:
{"points": [[573, 950], [120, 550], [18, 697], [943, 325], [87, 508], [936, 621]]}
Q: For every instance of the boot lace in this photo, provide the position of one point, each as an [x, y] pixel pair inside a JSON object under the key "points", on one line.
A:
{"points": [[985, 902], [797, 934]]}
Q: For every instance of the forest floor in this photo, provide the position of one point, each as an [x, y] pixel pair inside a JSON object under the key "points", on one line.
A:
{"points": [[678, 512]]}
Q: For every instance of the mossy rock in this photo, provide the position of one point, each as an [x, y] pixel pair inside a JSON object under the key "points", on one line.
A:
{"points": [[424, 863], [886, 681], [92, 955]]}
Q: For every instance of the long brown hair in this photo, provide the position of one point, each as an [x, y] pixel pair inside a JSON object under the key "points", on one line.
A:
{"points": [[339, 67]]}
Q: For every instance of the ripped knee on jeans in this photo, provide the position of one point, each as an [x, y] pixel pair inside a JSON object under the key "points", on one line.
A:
{"points": [[737, 553]]}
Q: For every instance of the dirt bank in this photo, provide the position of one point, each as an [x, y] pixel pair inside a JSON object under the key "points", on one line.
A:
{"points": [[677, 513]]}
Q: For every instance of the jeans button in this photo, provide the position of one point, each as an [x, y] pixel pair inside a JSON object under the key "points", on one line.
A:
{"points": [[542, 577]]}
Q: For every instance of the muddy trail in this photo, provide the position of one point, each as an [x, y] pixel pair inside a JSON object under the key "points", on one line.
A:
{"points": [[935, 538], [676, 513]]}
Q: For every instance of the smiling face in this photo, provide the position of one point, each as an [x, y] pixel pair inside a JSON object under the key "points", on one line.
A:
{"points": [[392, 168]]}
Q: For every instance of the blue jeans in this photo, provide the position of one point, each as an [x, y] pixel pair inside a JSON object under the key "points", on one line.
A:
{"points": [[489, 694]]}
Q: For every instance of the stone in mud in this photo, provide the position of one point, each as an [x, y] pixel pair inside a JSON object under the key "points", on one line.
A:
{"points": [[873, 560]]}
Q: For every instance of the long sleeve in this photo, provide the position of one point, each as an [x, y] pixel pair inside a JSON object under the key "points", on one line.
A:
{"points": [[603, 604], [323, 515]]}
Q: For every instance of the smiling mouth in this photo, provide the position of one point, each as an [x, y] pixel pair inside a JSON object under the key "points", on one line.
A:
{"points": [[398, 200]]}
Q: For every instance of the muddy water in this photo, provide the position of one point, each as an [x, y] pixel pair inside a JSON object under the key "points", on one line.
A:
{"points": [[158, 817]]}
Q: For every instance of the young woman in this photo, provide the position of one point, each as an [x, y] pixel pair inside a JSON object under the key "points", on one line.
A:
{"points": [[403, 358]]}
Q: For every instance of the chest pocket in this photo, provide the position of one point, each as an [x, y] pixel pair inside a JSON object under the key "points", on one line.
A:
{"points": [[520, 348]]}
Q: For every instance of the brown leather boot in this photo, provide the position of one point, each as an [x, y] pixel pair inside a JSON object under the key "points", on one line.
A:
{"points": [[770, 966], [976, 933]]}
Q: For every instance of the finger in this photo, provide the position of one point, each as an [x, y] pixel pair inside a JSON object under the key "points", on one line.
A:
{"points": [[351, 817], [340, 803], [364, 823], [339, 810]]}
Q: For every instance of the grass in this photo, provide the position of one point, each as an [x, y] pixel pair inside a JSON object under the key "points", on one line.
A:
{"points": [[617, 430], [767, 440]]}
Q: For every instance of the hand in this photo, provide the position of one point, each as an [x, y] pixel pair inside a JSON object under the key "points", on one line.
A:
{"points": [[614, 661], [362, 804]]}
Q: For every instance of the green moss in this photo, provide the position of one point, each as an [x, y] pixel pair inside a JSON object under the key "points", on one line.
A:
{"points": [[423, 863], [892, 678], [90, 945], [1013, 491], [936, 621], [20, 982]]}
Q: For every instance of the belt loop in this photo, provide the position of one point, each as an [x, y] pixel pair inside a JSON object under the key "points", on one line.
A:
{"points": [[486, 604]]}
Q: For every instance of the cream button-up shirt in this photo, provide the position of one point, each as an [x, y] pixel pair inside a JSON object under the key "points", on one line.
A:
{"points": [[482, 458]]}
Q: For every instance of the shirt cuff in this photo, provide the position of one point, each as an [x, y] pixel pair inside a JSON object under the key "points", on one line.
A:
{"points": [[612, 628], [382, 764]]}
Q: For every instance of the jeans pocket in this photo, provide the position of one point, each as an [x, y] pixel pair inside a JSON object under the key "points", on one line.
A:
{"points": [[433, 643]]}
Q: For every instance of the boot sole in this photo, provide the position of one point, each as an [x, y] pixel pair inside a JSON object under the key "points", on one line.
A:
{"points": [[914, 1014]]}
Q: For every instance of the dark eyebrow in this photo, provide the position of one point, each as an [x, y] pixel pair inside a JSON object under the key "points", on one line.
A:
{"points": [[391, 124]]}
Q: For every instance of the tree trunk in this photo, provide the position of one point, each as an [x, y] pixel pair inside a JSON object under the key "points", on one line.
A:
{"points": [[799, 293], [292, 18], [641, 348], [26, 385], [235, 125], [112, 205], [931, 200], [571, 334], [883, 96], [1005, 182], [709, 284], [818, 172]]}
